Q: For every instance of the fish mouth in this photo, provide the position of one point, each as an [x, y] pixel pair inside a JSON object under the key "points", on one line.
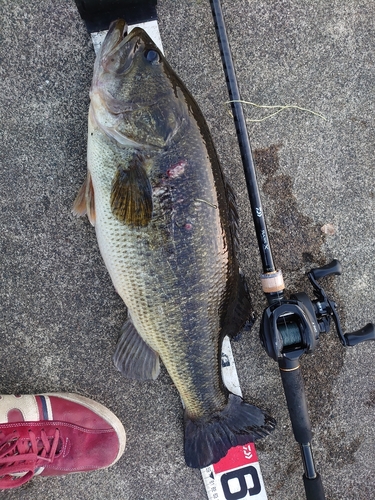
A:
{"points": [[119, 33], [120, 46], [121, 28], [118, 29]]}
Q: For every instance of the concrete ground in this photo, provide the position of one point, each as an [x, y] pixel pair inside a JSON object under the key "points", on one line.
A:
{"points": [[60, 315]]}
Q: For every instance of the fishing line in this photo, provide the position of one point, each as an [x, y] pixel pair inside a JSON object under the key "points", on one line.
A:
{"points": [[279, 109]]}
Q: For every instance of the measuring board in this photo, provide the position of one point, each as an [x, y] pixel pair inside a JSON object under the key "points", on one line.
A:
{"points": [[237, 476]]}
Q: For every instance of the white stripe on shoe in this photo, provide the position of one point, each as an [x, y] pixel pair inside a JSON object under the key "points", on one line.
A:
{"points": [[25, 404]]}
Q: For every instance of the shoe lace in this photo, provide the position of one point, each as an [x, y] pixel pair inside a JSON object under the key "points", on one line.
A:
{"points": [[20, 457]]}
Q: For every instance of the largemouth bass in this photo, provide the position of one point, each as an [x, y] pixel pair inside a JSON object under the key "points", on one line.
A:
{"points": [[166, 223]]}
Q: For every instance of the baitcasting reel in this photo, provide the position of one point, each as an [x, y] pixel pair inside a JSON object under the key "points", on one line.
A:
{"points": [[290, 328]]}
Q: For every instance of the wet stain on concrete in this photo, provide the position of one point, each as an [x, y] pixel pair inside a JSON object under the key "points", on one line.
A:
{"points": [[371, 400], [341, 450], [296, 242], [360, 121]]}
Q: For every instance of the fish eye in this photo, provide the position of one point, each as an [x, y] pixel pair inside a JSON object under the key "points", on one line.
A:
{"points": [[152, 56]]}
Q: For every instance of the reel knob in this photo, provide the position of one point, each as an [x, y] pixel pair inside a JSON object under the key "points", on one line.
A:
{"points": [[333, 267], [362, 335]]}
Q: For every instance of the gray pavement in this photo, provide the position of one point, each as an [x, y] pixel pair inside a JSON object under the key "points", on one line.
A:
{"points": [[60, 316]]}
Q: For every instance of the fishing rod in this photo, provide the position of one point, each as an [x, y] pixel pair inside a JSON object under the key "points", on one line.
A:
{"points": [[289, 327]]}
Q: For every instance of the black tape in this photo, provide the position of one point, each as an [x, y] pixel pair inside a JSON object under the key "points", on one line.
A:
{"points": [[98, 14]]}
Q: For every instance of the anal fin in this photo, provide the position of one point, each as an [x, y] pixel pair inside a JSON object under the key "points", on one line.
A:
{"points": [[133, 357]]}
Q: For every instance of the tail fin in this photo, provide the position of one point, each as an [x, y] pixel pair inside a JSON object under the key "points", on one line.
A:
{"points": [[208, 440]]}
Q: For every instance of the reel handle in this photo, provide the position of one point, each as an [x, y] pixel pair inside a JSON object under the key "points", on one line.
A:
{"points": [[326, 309], [333, 267], [361, 335]]}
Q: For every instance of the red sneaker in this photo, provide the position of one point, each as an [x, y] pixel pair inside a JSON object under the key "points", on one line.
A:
{"points": [[55, 434]]}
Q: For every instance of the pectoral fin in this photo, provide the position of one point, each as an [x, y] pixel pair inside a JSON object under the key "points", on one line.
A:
{"points": [[85, 200], [131, 196], [133, 357]]}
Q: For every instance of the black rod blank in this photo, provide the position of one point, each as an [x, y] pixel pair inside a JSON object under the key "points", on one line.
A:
{"points": [[243, 140]]}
